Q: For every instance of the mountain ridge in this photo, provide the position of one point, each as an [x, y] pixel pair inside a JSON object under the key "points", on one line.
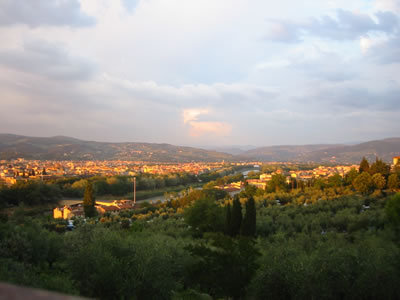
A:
{"points": [[343, 153], [67, 148]]}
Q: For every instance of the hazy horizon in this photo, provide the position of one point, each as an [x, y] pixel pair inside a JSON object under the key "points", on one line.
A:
{"points": [[201, 73], [220, 148]]}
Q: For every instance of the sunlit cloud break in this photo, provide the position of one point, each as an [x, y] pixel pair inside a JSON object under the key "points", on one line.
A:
{"points": [[192, 114], [200, 128]]}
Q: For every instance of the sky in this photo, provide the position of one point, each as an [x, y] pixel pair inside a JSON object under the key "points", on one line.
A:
{"points": [[201, 72]]}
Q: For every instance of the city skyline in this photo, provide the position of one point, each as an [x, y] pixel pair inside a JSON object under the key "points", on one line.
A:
{"points": [[201, 73]]}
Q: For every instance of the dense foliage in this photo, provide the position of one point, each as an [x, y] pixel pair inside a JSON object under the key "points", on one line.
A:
{"points": [[323, 240], [89, 201], [29, 193], [33, 192]]}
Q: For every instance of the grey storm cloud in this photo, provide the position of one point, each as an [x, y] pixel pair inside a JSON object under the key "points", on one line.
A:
{"points": [[349, 25], [48, 60], [348, 98], [328, 66], [346, 26], [43, 12]]}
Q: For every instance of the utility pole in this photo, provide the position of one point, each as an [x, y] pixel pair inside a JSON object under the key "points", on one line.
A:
{"points": [[134, 190]]}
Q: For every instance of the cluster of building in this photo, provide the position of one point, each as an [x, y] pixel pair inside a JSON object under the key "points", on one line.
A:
{"points": [[69, 211], [21, 169], [232, 188], [303, 175], [193, 168], [300, 175]]}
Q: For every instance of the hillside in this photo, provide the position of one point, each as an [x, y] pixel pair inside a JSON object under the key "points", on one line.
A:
{"points": [[283, 153], [66, 148], [384, 149]]}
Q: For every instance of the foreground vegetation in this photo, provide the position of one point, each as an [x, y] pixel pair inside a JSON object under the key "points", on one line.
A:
{"points": [[336, 248], [329, 240]]}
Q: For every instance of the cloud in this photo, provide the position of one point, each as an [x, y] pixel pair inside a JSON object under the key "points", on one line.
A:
{"points": [[201, 128], [199, 72], [388, 5], [273, 64], [350, 98], [385, 52], [221, 95], [325, 65], [365, 44], [193, 114], [43, 12], [47, 59], [346, 25], [130, 5], [285, 32], [215, 128]]}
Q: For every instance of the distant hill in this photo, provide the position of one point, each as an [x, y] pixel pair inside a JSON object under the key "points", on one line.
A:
{"points": [[66, 148], [283, 153], [384, 149], [234, 150]]}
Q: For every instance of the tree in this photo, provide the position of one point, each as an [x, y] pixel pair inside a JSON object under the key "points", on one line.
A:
{"points": [[89, 201], [236, 217], [223, 267], [320, 183], [277, 183], [228, 220], [216, 194], [379, 181], [393, 182], [380, 167], [396, 169], [108, 264], [363, 183], [205, 215], [350, 176], [249, 220], [335, 180], [392, 209], [364, 165], [249, 191]]}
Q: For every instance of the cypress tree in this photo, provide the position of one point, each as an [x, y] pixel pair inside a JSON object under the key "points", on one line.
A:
{"points": [[89, 201], [364, 165], [236, 217], [249, 221], [228, 221]]}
